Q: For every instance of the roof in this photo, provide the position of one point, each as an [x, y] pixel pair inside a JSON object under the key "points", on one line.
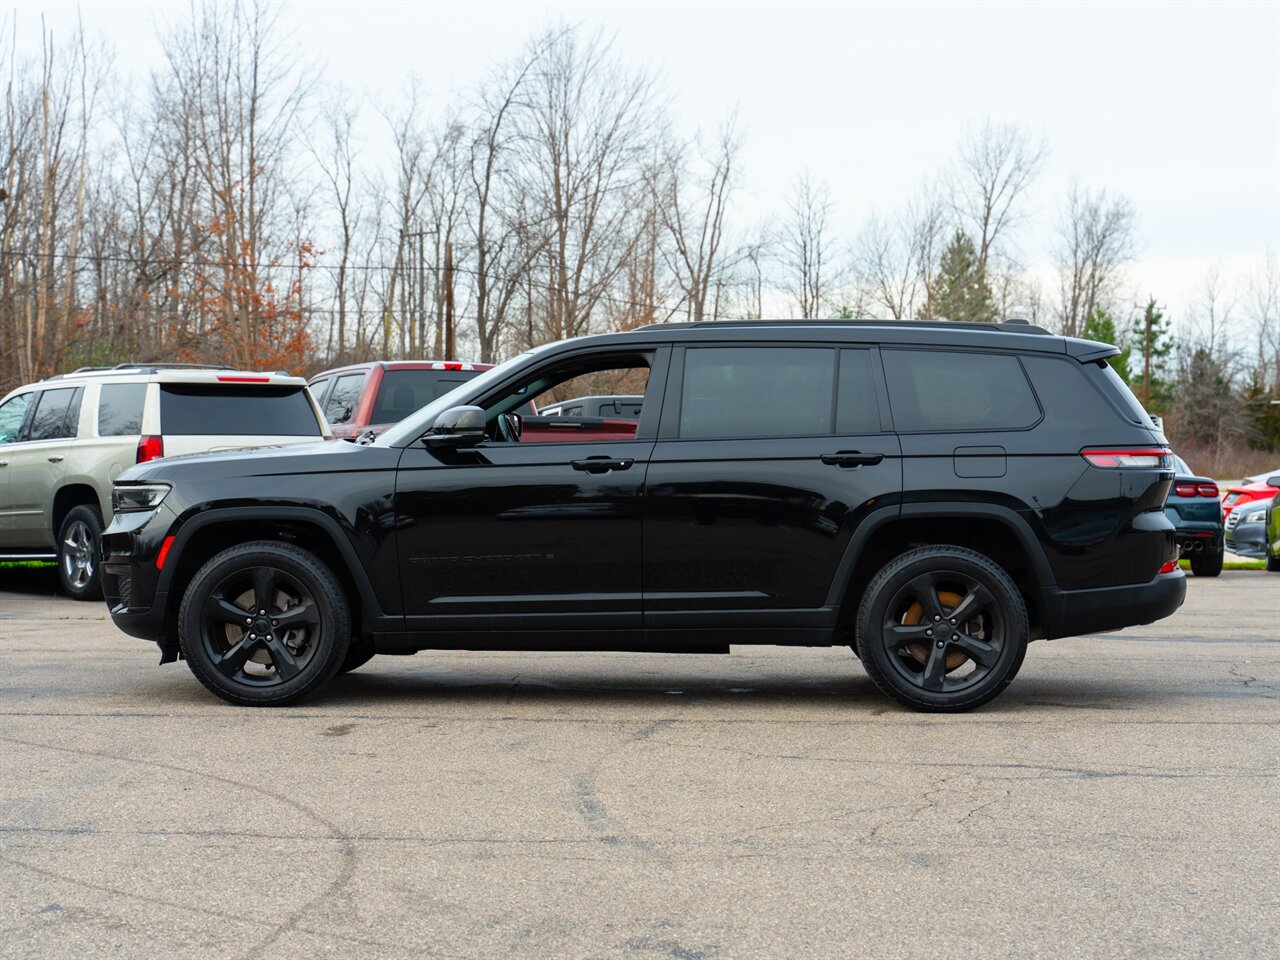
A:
{"points": [[405, 365]]}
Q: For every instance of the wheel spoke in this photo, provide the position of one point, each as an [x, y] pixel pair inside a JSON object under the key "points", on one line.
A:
{"points": [[898, 635], [304, 614], [233, 661], [282, 659], [981, 652], [935, 671], [264, 582], [220, 608], [925, 589], [976, 601]]}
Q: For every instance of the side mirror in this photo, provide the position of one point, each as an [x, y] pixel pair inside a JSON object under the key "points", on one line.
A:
{"points": [[457, 427], [1274, 481]]}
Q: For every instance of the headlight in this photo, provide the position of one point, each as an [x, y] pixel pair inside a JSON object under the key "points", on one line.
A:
{"points": [[138, 498], [1256, 516]]}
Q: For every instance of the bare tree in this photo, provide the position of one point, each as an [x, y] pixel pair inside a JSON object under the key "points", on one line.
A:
{"points": [[336, 157], [997, 163], [691, 205], [1095, 241], [806, 248]]}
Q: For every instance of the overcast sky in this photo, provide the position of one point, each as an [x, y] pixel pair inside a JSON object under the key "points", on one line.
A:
{"points": [[1176, 105]]}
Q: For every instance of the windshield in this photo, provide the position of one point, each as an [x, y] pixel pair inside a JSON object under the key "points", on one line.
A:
{"points": [[410, 428]]}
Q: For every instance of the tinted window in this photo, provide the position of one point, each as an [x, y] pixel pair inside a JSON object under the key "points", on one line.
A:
{"points": [[937, 391], [757, 392], [12, 413], [857, 410], [1123, 396], [406, 391], [190, 410], [57, 412], [341, 405], [120, 409], [318, 389]]}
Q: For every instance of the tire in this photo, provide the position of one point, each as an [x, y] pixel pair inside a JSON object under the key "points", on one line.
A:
{"points": [[911, 598], [357, 656], [255, 661], [79, 539], [1273, 562], [1207, 564]]}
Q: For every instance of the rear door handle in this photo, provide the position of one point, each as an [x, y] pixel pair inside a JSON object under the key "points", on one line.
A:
{"points": [[601, 464], [4, 463], [851, 458], [55, 459]]}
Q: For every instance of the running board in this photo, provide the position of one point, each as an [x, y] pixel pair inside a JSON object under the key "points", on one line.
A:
{"points": [[10, 557]]}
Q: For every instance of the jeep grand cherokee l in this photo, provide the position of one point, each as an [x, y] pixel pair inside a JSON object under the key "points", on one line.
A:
{"points": [[934, 495]]}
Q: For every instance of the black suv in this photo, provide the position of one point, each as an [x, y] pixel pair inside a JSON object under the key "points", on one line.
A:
{"points": [[934, 495]]}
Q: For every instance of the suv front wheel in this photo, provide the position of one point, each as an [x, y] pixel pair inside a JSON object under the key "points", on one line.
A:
{"points": [[264, 624], [942, 629], [78, 554]]}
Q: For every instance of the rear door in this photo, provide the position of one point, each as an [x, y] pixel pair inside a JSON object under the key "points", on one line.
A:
{"points": [[768, 459], [13, 418]]}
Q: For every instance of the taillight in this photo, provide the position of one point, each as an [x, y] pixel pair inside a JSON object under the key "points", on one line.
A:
{"points": [[1207, 490], [1185, 489], [1138, 457], [150, 448], [1169, 567]]}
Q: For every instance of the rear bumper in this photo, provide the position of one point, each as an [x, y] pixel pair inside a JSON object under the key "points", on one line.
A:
{"points": [[1072, 613]]}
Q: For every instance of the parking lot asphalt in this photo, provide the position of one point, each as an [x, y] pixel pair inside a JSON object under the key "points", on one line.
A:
{"points": [[1121, 799]]}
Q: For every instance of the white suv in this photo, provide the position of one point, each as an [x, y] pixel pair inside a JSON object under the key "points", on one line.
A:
{"points": [[65, 439]]}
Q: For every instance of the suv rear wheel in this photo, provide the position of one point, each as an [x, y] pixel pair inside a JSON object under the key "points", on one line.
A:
{"points": [[1207, 564], [942, 629], [78, 553], [264, 624]]}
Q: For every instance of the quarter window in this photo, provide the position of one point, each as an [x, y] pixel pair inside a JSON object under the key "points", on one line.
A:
{"points": [[120, 409], [341, 405], [734, 392], [937, 391]]}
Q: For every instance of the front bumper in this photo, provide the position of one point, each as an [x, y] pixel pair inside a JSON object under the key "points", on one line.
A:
{"points": [[1073, 613], [1248, 540]]}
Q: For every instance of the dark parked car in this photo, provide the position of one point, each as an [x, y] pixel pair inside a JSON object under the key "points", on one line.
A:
{"points": [[1193, 506], [933, 494]]}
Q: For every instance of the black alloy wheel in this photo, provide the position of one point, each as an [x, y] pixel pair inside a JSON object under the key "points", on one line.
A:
{"points": [[942, 628], [264, 624], [78, 540]]}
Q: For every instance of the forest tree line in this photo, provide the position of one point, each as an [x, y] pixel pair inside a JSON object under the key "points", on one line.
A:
{"points": [[229, 207]]}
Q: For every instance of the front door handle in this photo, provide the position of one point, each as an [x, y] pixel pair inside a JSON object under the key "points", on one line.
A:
{"points": [[601, 464], [55, 459], [851, 458]]}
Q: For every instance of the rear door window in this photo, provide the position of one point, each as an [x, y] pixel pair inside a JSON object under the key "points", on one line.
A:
{"points": [[57, 413], [935, 391], [198, 410], [120, 409], [341, 405], [736, 392]]}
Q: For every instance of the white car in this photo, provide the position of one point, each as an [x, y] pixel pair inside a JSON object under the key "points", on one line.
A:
{"points": [[65, 439]]}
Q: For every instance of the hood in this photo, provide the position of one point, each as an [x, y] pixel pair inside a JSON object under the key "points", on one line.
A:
{"points": [[318, 457]]}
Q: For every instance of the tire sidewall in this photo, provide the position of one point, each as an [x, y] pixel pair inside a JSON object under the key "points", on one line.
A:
{"points": [[1208, 566], [874, 609], [335, 633], [92, 519]]}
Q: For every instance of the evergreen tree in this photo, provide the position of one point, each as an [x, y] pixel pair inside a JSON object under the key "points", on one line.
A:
{"points": [[1152, 344], [960, 291], [1101, 326]]}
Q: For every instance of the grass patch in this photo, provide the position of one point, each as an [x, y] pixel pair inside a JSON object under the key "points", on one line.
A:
{"points": [[1231, 565], [27, 564]]}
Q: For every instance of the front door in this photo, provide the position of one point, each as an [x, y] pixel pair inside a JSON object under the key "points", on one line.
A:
{"points": [[36, 465], [526, 535]]}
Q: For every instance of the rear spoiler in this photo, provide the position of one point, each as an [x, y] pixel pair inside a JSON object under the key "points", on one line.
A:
{"points": [[1090, 351]]}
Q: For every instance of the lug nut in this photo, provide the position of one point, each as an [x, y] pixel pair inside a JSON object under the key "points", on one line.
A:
{"points": [[928, 633], [262, 613], [956, 637], [275, 623], [939, 644], [936, 619]]}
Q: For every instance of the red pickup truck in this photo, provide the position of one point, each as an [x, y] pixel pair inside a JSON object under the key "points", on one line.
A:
{"points": [[373, 396]]}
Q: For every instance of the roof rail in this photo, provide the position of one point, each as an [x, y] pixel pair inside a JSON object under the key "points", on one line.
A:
{"points": [[143, 368], [1013, 325]]}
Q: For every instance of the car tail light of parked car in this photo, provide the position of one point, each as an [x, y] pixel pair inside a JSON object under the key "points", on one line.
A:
{"points": [[150, 448], [1196, 489], [1143, 458]]}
